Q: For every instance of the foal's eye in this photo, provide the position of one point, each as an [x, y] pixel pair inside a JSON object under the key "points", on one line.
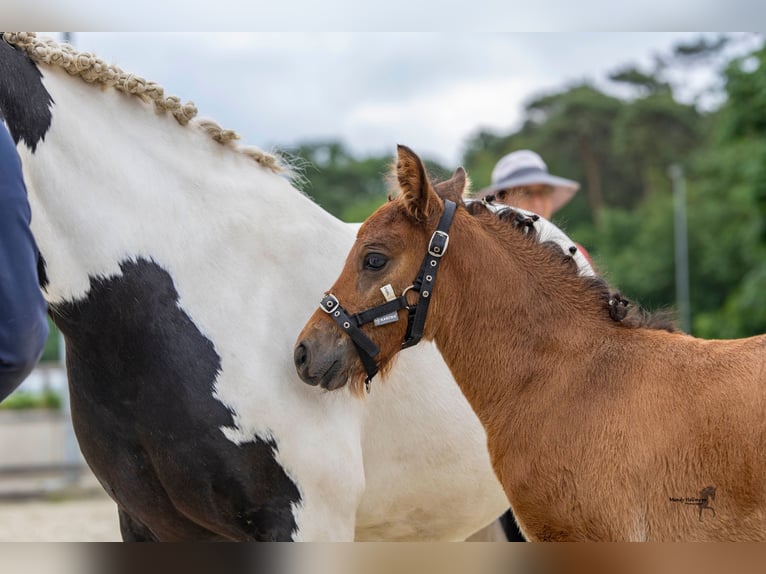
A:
{"points": [[375, 261]]}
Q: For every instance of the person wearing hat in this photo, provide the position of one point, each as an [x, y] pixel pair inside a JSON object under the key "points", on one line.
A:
{"points": [[521, 179]]}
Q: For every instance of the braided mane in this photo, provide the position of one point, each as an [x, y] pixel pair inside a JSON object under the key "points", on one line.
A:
{"points": [[94, 70]]}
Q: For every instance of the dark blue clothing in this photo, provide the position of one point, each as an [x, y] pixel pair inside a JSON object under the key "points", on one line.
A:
{"points": [[23, 324]]}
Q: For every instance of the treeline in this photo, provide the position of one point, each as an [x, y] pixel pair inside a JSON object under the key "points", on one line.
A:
{"points": [[621, 149]]}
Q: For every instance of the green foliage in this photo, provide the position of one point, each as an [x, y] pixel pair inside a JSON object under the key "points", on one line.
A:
{"points": [[482, 151], [654, 132], [361, 210], [23, 400], [337, 180], [51, 352], [634, 251], [728, 248], [745, 113]]}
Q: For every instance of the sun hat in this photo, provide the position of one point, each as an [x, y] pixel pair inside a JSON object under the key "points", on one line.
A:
{"points": [[525, 167]]}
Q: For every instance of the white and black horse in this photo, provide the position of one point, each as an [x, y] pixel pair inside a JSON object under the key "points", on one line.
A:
{"points": [[180, 270]]}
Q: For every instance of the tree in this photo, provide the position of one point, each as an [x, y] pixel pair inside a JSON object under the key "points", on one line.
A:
{"points": [[644, 83], [654, 132], [733, 180], [577, 125]]}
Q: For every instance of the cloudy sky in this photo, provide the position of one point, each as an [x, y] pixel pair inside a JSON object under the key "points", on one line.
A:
{"points": [[430, 91]]}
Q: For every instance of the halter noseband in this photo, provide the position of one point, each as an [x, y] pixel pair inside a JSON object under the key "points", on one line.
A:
{"points": [[387, 312]]}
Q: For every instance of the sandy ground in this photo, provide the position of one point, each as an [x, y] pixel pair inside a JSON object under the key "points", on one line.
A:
{"points": [[92, 519]]}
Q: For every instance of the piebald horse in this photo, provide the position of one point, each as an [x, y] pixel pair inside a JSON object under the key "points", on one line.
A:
{"points": [[598, 429], [179, 267]]}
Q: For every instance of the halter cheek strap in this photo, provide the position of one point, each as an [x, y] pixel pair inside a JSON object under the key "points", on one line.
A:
{"points": [[424, 282], [416, 314]]}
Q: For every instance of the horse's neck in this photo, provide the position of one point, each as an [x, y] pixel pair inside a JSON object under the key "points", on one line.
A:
{"points": [[519, 319], [113, 180]]}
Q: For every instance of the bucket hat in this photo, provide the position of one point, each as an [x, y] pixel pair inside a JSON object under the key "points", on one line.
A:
{"points": [[525, 167]]}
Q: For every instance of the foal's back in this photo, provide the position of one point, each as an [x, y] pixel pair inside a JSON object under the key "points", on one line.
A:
{"points": [[686, 417]]}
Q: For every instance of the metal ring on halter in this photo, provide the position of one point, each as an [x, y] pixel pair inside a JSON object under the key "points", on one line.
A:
{"points": [[404, 293]]}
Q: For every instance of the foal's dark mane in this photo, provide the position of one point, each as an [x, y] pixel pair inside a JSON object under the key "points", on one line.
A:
{"points": [[618, 308]]}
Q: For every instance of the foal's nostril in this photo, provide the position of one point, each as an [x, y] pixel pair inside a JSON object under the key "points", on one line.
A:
{"points": [[302, 359], [301, 355]]}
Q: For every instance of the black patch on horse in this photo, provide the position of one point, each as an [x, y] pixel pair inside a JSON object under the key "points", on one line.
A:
{"points": [[142, 378], [25, 104], [42, 272]]}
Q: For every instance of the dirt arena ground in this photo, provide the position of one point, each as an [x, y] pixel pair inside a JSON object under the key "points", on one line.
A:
{"points": [[92, 519]]}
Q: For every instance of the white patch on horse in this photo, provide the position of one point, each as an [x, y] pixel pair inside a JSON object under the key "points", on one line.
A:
{"points": [[549, 231]]}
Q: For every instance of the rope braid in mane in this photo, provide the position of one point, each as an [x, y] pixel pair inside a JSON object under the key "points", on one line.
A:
{"points": [[92, 69]]}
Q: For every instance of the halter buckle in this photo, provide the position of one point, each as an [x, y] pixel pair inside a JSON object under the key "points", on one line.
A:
{"points": [[438, 244], [329, 303]]}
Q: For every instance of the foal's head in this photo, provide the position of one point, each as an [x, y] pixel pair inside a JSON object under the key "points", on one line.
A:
{"points": [[389, 251]]}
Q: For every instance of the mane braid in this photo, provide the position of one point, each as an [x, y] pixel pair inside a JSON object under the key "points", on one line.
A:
{"points": [[619, 309], [92, 69]]}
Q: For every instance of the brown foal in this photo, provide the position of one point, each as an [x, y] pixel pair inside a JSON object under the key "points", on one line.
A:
{"points": [[597, 429]]}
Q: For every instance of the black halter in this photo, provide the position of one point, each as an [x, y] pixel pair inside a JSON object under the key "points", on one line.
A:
{"points": [[387, 312]]}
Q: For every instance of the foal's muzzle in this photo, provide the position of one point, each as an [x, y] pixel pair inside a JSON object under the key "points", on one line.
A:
{"points": [[321, 368]]}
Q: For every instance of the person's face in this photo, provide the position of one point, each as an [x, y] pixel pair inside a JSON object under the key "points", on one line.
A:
{"points": [[537, 198]]}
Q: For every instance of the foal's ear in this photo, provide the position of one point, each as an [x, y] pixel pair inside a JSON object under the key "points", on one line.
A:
{"points": [[419, 197], [453, 188]]}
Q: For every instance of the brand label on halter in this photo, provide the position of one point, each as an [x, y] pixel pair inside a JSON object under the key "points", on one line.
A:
{"points": [[388, 293], [392, 317]]}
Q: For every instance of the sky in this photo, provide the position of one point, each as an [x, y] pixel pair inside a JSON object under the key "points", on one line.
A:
{"points": [[455, 16], [430, 91]]}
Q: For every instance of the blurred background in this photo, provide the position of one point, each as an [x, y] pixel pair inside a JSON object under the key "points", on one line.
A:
{"points": [[666, 133]]}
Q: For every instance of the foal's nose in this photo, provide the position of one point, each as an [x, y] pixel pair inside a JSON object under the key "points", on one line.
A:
{"points": [[302, 359]]}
